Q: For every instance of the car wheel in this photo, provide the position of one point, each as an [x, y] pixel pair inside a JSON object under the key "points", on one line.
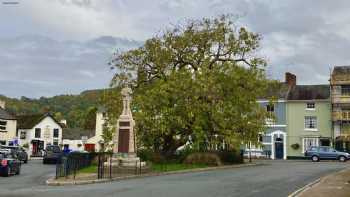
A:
{"points": [[7, 172], [315, 158], [342, 159], [18, 171]]}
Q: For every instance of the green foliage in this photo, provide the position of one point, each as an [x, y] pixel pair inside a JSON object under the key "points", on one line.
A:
{"points": [[207, 158], [196, 81], [295, 146], [112, 102], [90, 119], [149, 155], [76, 109]]}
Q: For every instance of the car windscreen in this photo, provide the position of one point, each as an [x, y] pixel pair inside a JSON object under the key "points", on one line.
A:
{"points": [[54, 149]]}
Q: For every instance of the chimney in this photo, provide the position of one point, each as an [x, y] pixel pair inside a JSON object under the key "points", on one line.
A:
{"points": [[64, 122], [2, 104], [291, 79]]}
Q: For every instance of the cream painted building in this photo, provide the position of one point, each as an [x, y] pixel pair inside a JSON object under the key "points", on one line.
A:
{"points": [[8, 126]]}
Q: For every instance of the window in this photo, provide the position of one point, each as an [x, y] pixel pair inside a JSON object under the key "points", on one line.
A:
{"points": [[3, 126], [310, 105], [55, 133], [324, 149], [22, 135], [260, 139], [270, 108], [345, 90], [310, 122], [37, 132], [55, 142], [308, 142], [325, 142]]}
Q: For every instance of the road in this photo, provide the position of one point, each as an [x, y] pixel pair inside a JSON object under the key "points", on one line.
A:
{"points": [[275, 178]]}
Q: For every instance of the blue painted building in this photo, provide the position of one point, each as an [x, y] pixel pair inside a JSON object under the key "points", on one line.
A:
{"points": [[274, 140]]}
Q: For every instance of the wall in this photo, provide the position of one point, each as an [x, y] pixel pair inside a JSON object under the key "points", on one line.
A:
{"points": [[46, 125], [11, 127], [296, 111], [74, 144]]}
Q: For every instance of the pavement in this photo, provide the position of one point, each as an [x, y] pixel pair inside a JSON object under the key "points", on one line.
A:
{"points": [[276, 178], [336, 184]]}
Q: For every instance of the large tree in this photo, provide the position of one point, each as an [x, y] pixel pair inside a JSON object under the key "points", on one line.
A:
{"points": [[197, 80]]}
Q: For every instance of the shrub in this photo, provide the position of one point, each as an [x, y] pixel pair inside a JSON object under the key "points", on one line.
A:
{"points": [[149, 155], [295, 146], [207, 158], [230, 157]]}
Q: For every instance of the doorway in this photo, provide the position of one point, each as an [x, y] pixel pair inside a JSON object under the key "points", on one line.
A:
{"points": [[279, 148]]}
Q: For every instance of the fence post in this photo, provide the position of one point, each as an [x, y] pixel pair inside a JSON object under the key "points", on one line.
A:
{"points": [[75, 169], [98, 167], [140, 166], [110, 166], [57, 166]]}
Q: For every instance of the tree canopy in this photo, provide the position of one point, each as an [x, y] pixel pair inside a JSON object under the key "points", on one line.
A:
{"points": [[195, 81]]}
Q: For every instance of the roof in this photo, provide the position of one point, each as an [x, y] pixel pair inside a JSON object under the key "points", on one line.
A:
{"points": [[309, 92], [340, 74], [6, 115], [277, 90], [76, 133], [341, 70], [29, 121]]}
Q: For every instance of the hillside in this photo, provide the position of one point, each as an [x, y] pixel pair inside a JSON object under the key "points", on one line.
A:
{"points": [[76, 109]]}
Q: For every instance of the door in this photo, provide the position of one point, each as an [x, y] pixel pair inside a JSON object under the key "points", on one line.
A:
{"points": [[35, 148], [279, 148], [123, 141]]}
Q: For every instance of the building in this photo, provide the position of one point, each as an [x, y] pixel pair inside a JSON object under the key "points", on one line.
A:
{"points": [[273, 141], [8, 125], [340, 99], [96, 142], [73, 138], [308, 118], [89, 140], [38, 130]]}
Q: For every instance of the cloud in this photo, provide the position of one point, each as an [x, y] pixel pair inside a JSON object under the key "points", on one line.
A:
{"points": [[40, 66], [70, 38]]}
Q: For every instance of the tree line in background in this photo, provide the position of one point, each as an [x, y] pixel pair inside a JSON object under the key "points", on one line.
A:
{"points": [[78, 110]]}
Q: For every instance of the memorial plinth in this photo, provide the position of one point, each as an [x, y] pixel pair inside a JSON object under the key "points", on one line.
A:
{"points": [[124, 138]]}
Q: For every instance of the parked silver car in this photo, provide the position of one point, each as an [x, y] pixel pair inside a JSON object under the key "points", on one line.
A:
{"points": [[317, 153]]}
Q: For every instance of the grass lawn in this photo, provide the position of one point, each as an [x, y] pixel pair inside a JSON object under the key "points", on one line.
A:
{"points": [[156, 167], [89, 169], [175, 167]]}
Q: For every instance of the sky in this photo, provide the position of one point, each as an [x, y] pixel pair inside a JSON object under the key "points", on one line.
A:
{"points": [[52, 47]]}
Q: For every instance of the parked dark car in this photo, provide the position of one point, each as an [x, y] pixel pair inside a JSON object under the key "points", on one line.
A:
{"points": [[22, 155], [9, 164], [317, 153], [52, 154]]}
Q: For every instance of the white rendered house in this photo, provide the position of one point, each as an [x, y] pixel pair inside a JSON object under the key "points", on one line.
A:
{"points": [[37, 131]]}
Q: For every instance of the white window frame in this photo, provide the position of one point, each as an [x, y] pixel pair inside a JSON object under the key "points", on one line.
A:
{"points": [[309, 141], [313, 122]]}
